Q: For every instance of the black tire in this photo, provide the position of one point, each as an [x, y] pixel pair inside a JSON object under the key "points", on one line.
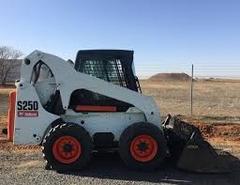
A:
{"points": [[74, 131], [138, 129]]}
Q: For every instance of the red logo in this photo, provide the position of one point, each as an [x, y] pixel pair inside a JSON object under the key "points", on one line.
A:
{"points": [[27, 113]]}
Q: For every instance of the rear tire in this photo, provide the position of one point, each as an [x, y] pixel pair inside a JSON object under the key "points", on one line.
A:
{"points": [[142, 146], [67, 147]]}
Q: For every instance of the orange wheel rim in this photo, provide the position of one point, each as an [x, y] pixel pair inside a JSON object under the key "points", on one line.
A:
{"points": [[66, 149], [143, 148]]}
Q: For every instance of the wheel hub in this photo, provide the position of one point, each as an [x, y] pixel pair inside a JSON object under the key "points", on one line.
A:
{"points": [[143, 148], [66, 149]]}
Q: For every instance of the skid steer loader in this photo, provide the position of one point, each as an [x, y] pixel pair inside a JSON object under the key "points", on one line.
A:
{"points": [[72, 110]]}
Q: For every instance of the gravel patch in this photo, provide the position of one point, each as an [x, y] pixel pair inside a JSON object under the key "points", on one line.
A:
{"points": [[28, 168]]}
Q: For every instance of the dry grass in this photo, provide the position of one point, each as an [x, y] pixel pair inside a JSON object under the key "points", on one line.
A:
{"points": [[213, 99]]}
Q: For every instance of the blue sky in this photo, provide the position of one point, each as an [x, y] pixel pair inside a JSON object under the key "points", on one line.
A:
{"points": [[167, 36]]}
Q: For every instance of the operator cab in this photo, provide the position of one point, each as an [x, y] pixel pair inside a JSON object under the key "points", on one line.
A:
{"points": [[115, 66]]}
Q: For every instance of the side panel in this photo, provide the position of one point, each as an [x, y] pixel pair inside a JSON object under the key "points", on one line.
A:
{"points": [[105, 122], [31, 119]]}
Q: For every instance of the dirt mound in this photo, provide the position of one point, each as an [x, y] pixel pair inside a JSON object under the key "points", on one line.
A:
{"points": [[170, 76], [226, 131]]}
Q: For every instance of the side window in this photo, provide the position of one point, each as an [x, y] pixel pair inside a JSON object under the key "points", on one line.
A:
{"points": [[40, 73], [83, 97], [44, 83]]}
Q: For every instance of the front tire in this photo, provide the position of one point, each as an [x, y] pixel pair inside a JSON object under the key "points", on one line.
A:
{"points": [[67, 147], [142, 146]]}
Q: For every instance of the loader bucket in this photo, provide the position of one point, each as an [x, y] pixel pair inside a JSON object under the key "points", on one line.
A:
{"points": [[199, 156], [188, 149]]}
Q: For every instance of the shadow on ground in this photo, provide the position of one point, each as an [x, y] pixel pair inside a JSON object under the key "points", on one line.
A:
{"points": [[110, 166]]}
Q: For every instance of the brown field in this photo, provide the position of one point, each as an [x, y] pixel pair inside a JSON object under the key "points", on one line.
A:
{"points": [[213, 100]]}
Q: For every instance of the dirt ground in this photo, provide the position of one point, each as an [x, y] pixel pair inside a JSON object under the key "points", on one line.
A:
{"points": [[24, 165]]}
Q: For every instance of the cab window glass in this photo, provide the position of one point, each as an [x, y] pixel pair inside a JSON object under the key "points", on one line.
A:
{"points": [[41, 72]]}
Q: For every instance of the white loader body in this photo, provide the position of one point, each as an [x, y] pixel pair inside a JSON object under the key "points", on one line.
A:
{"points": [[32, 120]]}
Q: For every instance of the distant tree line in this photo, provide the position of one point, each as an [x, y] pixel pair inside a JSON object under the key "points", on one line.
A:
{"points": [[9, 58]]}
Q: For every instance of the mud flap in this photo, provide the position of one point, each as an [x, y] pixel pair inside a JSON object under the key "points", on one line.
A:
{"points": [[199, 156]]}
